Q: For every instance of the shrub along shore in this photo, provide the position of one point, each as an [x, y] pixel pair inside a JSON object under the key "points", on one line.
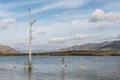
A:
{"points": [[70, 53]]}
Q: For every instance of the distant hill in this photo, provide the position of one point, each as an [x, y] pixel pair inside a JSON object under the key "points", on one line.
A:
{"points": [[7, 50], [114, 45], [107, 45]]}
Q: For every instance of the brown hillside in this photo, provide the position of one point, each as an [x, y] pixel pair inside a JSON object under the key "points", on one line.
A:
{"points": [[7, 50]]}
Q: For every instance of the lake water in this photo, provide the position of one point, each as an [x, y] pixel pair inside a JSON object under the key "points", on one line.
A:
{"points": [[51, 68]]}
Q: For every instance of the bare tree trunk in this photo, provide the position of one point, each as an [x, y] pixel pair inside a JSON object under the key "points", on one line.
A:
{"points": [[30, 40]]}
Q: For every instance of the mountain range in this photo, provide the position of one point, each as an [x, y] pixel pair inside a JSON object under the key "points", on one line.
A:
{"points": [[104, 46], [107, 45], [7, 50]]}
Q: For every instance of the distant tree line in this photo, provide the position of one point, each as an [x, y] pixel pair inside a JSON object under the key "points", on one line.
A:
{"points": [[70, 53]]}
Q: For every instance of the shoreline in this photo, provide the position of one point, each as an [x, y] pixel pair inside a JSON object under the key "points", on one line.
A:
{"points": [[70, 53]]}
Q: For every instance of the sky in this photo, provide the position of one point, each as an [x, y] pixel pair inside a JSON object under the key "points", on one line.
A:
{"points": [[59, 23]]}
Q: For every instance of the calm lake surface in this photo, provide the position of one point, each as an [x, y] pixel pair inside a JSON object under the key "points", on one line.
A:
{"points": [[51, 68]]}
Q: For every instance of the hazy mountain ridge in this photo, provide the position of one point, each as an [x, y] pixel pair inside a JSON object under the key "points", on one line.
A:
{"points": [[7, 50], [115, 45], [107, 45]]}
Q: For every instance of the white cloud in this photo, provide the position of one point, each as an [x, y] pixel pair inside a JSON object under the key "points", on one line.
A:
{"points": [[4, 13], [111, 37], [5, 8], [7, 21], [111, 5], [10, 5], [64, 4], [72, 38], [100, 15], [117, 37], [61, 27], [41, 32]]}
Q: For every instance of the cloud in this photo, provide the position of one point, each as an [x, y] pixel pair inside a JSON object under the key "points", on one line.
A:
{"points": [[72, 38], [100, 15], [110, 37], [117, 36], [64, 4], [7, 21], [61, 27], [11, 4], [5, 8], [4, 13], [41, 32]]}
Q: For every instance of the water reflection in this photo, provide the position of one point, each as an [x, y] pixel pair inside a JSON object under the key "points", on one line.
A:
{"points": [[63, 69], [29, 74], [54, 68], [63, 74]]}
